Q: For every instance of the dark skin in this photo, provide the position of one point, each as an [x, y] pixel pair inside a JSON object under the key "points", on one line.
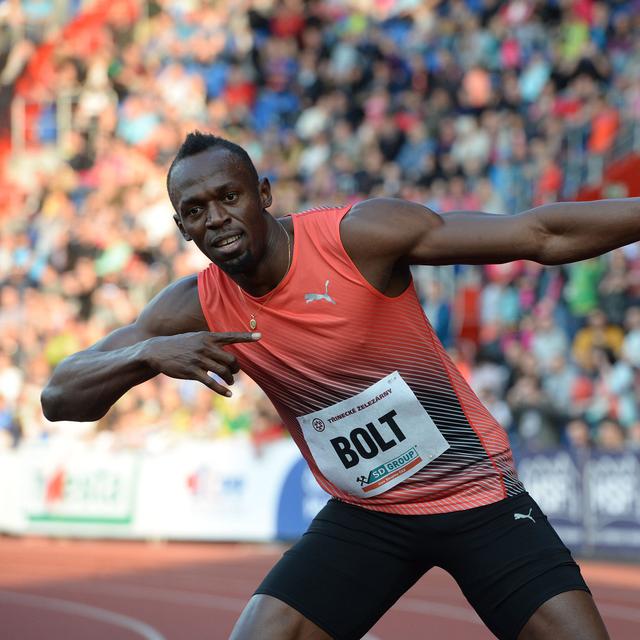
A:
{"points": [[222, 208]]}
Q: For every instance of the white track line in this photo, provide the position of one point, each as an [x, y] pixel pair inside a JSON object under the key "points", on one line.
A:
{"points": [[168, 595], [84, 610], [181, 597]]}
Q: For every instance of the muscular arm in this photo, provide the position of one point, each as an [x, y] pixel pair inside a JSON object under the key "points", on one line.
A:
{"points": [[170, 336], [398, 231]]}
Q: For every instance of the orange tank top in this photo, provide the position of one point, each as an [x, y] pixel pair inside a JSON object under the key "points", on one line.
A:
{"points": [[369, 394]]}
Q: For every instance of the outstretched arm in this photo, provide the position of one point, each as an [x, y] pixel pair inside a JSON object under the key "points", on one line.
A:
{"points": [[170, 336], [550, 234]]}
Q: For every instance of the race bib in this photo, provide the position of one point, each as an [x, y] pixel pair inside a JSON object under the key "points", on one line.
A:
{"points": [[369, 443]]}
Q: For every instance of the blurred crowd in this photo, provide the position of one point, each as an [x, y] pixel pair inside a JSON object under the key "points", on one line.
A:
{"points": [[468, 104]]}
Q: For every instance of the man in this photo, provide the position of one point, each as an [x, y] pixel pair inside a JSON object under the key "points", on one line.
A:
{"points": [[319, 308]]}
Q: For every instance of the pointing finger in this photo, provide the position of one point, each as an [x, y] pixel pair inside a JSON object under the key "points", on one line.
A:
{"points": [[234, 336]]}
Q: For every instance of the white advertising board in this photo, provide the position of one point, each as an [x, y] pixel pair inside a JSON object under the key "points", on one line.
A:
{"points": [[220, 490]]}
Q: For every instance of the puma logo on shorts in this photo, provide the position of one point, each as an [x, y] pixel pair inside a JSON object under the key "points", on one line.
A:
{"points": [[522, 516]]}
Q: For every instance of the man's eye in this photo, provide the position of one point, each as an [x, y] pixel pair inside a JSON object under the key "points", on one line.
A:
{"points": [[194, 211], [230, 197]]}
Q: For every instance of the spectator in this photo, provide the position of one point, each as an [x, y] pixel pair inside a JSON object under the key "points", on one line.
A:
{"points": [[537, 422], [613, 288], [610, 437], [578, 436], [598, 333], [631, 342], [548, 342], [613, 389], [559, 383], [11, 379], [10, 429]]}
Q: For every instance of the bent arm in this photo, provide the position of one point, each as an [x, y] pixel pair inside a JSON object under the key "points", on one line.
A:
{"points": [[85, 385], [550, 234]]}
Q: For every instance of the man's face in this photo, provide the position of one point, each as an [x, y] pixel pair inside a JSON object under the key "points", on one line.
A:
{"points": [[220, 206]]}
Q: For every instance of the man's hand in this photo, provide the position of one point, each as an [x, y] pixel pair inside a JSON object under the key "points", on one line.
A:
{"points": [[190, 356]]}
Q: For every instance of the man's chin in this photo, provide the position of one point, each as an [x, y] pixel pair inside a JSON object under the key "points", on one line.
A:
{"points": [[235, 266]]}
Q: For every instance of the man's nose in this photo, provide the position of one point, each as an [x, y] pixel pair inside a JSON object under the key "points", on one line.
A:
{"points": [[216, 216]]}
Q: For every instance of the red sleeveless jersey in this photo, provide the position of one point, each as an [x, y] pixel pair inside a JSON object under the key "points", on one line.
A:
{"points": [[370, 396]]}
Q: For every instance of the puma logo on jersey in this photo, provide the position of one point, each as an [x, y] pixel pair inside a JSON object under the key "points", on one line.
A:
{"points": [[315, 297], [522, 516]]}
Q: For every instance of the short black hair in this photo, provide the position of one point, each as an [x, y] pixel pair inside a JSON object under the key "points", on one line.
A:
{"points": [[196, 142]]}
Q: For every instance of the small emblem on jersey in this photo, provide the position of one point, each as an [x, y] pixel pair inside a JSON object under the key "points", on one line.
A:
{"points": [[316, 297], [386, 472], [523, 516], [318, 424]]}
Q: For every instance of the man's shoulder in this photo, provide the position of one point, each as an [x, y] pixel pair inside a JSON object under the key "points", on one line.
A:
{"points": [[387, 209], [321, 210], [379, 219], [319, 216], [184, 289], [183, 294]]}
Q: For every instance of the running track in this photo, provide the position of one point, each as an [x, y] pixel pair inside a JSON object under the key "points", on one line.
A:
{"points": [[74, 590]]}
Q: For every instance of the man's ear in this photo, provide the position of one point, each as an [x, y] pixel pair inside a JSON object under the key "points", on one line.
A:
{"points": [[265, 193], [185, 235]]}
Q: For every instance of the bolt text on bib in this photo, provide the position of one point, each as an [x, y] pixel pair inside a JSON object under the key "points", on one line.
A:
{"points": [[367, 442]]}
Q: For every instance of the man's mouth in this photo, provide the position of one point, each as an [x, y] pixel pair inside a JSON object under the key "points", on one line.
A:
{"points": [[229, 240], [228, 245]]}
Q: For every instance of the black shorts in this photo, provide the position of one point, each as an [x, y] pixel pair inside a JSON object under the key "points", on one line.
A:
{"points": [[352, 564]]}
